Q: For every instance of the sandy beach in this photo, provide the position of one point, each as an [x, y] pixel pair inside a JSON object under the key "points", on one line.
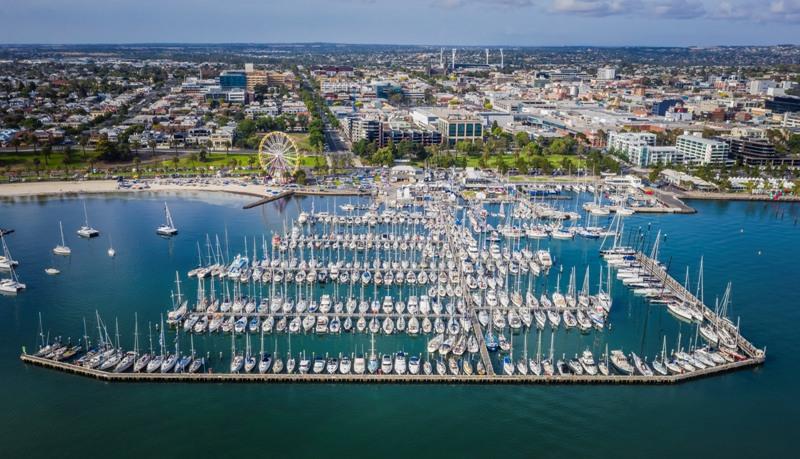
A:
{"points": [[11, 190]]}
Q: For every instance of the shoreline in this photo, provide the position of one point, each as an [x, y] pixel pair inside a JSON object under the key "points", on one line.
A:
{"points": [[702, 196], [54, 189], [62, 188]]}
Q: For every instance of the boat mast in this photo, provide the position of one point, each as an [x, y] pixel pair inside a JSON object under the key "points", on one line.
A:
{"points": [[136, 334]]}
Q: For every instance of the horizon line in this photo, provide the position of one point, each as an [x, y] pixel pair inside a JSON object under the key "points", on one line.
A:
{"points": [[419, 45]]}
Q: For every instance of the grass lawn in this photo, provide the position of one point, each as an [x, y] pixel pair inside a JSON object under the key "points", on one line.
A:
{"points": [[221, 160], [312, 160], [555, 160], [216, 160], [302, 141], [54, 162]]}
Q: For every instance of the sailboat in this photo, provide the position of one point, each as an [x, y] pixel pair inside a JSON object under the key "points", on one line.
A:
{"points": [[6, 262], [197, 363], [168, 228], [86, 230], [10, 285], [62, 249], [373, 363]]}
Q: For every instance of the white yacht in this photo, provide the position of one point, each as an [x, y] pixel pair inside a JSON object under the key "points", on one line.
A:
{"points": [[62, 249], [168, 228], [86, 230]]}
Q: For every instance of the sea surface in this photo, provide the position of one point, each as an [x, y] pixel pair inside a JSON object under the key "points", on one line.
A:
{"points": [[749, 413]]}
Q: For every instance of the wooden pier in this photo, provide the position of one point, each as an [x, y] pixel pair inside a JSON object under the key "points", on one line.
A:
{"points": [[268, 199], [305, 192], [324, 378]]}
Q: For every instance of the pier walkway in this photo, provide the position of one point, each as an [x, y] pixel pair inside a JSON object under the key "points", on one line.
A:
{"points": [[657, 271], [375, 378]]}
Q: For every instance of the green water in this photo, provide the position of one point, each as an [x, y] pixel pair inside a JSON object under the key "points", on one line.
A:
{"points": [[744, 414]]}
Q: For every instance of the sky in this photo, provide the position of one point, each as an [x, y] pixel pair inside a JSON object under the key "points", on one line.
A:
{"points": [[432, 22]]}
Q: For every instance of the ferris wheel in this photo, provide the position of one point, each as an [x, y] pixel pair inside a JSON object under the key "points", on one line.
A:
{"points": [[278, 154]]}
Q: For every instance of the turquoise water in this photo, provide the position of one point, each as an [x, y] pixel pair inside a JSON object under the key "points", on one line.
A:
{"points": [[743, 414]]}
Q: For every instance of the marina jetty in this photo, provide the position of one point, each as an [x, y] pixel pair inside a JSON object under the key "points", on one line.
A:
{"points": [[306, 192], [380, 378]]}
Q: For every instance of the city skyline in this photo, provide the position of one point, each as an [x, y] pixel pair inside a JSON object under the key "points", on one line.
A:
{"points": [[415, 22]]}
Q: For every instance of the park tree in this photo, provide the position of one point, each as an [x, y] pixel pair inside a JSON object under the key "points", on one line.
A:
{"points": [[299, 176], [520, 164], [522, 139], [47, 150], [69, 155]]}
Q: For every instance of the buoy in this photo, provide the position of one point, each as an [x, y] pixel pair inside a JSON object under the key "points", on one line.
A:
{"points": [[759, 252]]}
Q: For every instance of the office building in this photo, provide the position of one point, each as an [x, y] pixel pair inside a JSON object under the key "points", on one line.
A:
{"points": [[783, 104], [661, 108], [232, 79], [458, 126]]}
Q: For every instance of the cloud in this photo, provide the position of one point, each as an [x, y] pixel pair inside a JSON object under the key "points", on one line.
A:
{"points": [[785, 10], [594, 7], [678, 9], [725, 10], [504, 3]]}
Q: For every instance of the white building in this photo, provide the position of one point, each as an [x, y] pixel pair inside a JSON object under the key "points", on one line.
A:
{"points": [[624, 142], [606, 73], [791, 120], [758, 87], [641, 150], [697, 150]]}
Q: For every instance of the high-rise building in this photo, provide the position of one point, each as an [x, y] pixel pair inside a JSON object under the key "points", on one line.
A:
{"points": [[606, 73], [697, 150], [231, 79]]}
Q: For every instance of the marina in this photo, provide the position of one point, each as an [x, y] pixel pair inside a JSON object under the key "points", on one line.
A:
{"points": [[142, 275], [463, 282]]}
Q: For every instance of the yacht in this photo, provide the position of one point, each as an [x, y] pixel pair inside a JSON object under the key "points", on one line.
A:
{"points": [[86, 230], [413, 365], [400, 363], [62, 248], [168, 228], [621, 363], [386, 364], [587, 362], [345, 364], [359, 364]]}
